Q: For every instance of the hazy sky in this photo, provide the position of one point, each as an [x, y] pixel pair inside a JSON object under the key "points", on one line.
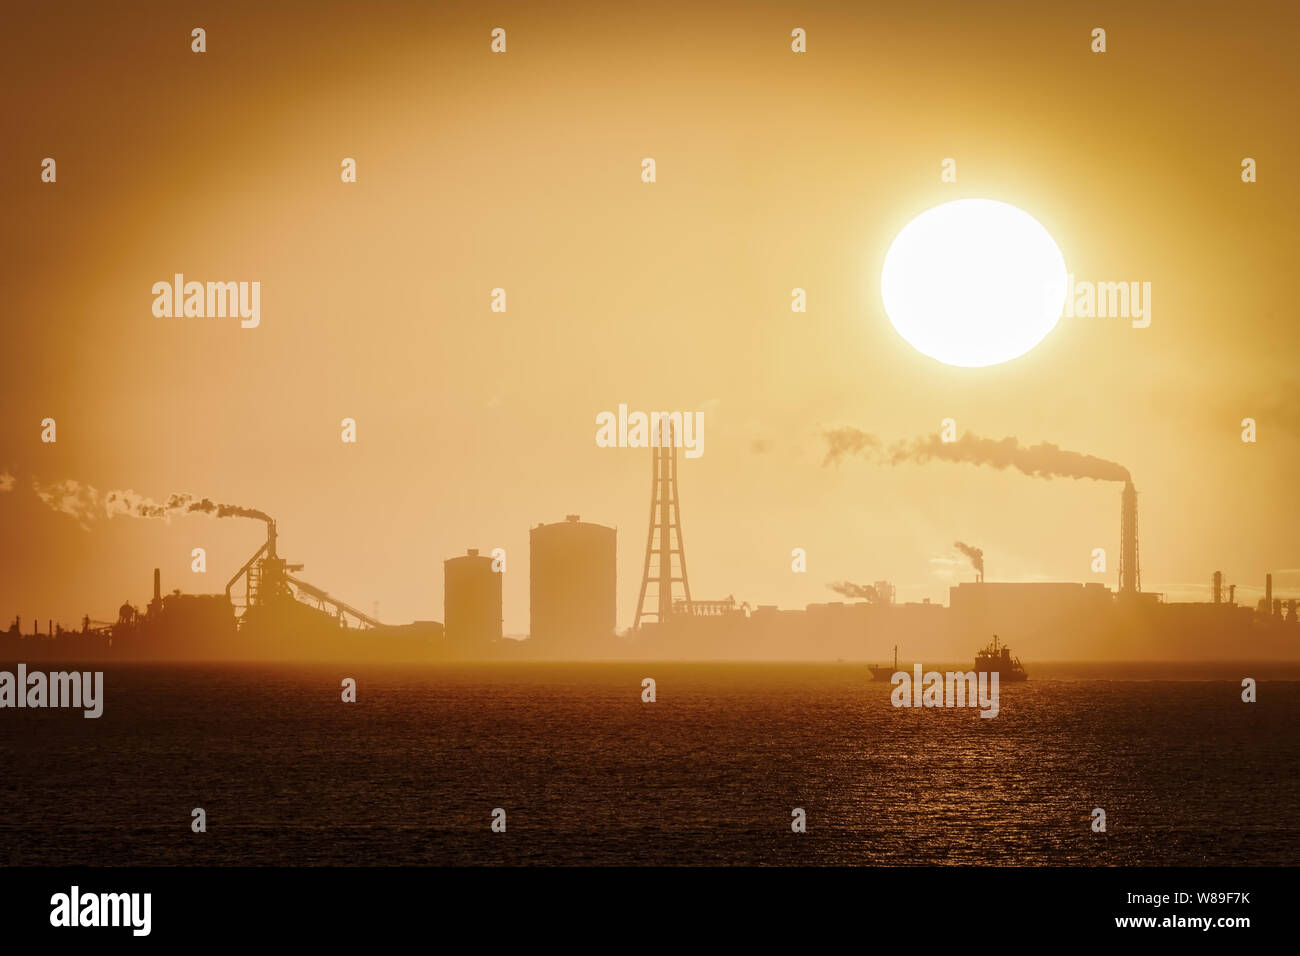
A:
{"points": [[522, 171]]}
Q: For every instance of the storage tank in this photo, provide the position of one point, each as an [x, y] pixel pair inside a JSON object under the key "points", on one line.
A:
{"points": [[471, 600], [573, 584]]}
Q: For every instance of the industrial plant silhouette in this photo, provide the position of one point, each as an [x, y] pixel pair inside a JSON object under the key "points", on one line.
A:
{"points": [[269, 612]]}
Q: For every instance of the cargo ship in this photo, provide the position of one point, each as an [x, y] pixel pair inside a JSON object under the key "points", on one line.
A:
{"points": [[997, 657]]}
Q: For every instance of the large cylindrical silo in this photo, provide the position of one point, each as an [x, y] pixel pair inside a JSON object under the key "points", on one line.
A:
{"points": [[573, 583], [471, 600]]}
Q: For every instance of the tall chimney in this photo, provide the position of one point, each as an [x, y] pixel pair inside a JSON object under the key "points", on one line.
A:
{"points": [[1218, 587], [1130, 578], [1268, 594], [157, 585]]}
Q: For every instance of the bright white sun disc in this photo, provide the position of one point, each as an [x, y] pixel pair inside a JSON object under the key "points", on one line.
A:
{"points": [[973, 282]]}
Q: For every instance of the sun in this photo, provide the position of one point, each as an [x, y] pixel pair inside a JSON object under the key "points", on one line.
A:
{"points": [[974, 282]]}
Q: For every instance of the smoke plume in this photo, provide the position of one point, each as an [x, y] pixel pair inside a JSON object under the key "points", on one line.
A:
{"points": [[851, 590], [848, 440], [975, 554], [86, 504], [72, 498], [208, 506], [1043, 460]]}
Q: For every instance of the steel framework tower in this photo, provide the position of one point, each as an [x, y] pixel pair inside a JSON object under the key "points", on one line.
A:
{"points": [[665, 536]]}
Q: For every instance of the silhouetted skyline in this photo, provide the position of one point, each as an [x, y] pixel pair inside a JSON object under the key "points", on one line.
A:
{"points": [[775, 171]]}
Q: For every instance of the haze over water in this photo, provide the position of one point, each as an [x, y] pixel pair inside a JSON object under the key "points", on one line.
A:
{"points": [[588, 774]]}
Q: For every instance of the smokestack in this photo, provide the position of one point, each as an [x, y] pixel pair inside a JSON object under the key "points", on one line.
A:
{"points": [[1268, 594], [1130, 578], [157, 585], [1218, 587], [1232, 594]]}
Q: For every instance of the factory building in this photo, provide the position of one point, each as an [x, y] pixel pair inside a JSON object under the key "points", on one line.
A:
{"points": [[471, 601], [572, 588], [1048, 619]]}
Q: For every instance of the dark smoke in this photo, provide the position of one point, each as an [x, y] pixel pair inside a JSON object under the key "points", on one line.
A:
{"points": [[1043, 460], [85, 503], [130, 504], [975, 554], [208, 506], [851, 590], [848, 440]]}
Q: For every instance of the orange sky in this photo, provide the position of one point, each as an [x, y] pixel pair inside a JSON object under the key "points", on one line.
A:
{"points": [[522, 171]]}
